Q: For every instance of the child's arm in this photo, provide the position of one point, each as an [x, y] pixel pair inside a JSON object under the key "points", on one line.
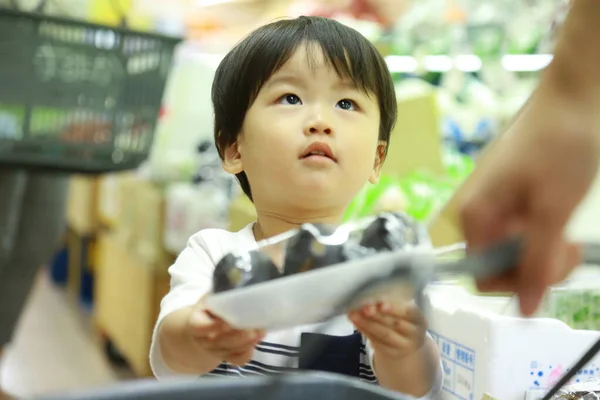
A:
{"points": [[179, 350], [416, 374], [405, 358], [187, 339], [194, 342]]}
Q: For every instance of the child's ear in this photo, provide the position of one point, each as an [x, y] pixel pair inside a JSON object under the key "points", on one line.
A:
{"points": [[232, 159], [379, 158]]}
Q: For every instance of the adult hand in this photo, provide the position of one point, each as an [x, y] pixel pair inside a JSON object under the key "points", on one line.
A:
{"points": [[529, 182]]}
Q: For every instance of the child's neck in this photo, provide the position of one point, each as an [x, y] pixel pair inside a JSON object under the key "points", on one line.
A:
{"points": [[271, 224]]}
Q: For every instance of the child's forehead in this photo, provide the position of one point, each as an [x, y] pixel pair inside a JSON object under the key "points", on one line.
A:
{"points": [[307, 61]]}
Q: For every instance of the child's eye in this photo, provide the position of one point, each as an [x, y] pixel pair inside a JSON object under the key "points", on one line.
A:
{"points": [[291, 99], [347, 104]]}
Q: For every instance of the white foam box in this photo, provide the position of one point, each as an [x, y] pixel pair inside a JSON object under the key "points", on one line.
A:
{"points": [[486, 347]]}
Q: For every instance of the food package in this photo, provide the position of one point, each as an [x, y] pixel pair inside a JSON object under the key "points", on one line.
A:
{"points": [[315, 246], [318, 271], [586, 390]]}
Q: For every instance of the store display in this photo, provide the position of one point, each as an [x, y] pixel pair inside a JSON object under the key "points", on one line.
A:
{"points": [[458, 166], [578, 306], [199, 204], [186, 117], [418, 194], [11, 122]]}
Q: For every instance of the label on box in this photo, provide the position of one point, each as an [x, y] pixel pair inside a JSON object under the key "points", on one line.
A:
{"points": [[458, 362]]}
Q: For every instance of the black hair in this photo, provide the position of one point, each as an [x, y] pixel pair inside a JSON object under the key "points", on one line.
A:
{"points": [[247, 67]]}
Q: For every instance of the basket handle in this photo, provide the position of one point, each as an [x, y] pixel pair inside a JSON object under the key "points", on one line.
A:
{"points": [[115, 5]]}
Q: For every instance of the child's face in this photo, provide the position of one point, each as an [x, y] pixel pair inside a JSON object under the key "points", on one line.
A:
{"points": [[305, 105]]}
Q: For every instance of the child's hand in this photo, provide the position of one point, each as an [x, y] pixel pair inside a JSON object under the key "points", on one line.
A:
{"points": [[220, 340], [394, 331]]}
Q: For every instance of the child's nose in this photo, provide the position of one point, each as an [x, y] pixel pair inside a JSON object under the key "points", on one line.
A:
{"points": [[321, 128], [318, 125]]}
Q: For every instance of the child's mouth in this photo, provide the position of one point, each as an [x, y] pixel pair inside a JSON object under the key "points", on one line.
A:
{"points": [[316, 154], [318, 151]]}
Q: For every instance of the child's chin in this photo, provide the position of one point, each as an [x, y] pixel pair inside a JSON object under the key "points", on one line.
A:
{"points": [[316, 193]]}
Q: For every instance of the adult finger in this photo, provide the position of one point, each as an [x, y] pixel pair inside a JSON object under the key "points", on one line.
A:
{"points": [[505, 283], [481, 223], [564, 258], [542, 263]]}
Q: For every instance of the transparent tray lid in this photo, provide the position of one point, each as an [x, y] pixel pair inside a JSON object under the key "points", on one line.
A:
{"points": [[314, 246]]}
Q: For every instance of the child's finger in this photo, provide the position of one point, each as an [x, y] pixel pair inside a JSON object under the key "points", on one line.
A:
{"points": [[405, 325], [239, 358], [410, 312], [233, 355], [415, 316], [234, 341], [378, 332], [380, 318], [415, 333], [205, 326], [368, 310]]}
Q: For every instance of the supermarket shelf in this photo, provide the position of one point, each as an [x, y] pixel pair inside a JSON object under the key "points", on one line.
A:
{"points": [[437, 63], [467, 63]]}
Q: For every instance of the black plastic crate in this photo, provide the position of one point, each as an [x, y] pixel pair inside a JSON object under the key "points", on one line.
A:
{"points": [[296, 386], [76, 96]]}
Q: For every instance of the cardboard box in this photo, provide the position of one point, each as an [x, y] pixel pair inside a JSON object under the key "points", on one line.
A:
{"points": [[149, 220], [139, 218], [128, 209], [415, 142], [128, 294], [109, 197], [82, 204], [487, 348], [445, 228]]}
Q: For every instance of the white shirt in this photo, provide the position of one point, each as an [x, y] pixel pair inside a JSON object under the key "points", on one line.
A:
{"points": [[191, 279]]}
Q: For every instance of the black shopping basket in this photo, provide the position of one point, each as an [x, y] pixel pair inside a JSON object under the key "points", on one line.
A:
{"points": [[76, 96], [297, 386]]}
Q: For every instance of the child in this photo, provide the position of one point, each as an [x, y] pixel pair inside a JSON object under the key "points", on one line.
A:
{"points": [[304, 109]]}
